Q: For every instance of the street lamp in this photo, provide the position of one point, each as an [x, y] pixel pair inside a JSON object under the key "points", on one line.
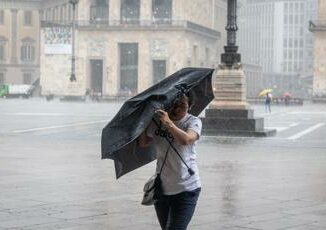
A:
{"points": [[73, 58], [231, 56]]}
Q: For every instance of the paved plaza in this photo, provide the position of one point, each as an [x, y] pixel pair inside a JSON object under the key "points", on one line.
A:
{"points": [[52, 177]]}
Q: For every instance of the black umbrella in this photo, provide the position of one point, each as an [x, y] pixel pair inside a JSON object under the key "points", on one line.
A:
{"points": [[119, 136]]}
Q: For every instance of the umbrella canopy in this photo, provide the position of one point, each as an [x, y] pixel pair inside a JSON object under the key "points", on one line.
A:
{"points": [[265, 91], [287, 94], [119, 136]]}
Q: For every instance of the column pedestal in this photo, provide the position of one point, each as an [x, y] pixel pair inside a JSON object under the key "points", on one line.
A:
{"points": [[229, 113]]}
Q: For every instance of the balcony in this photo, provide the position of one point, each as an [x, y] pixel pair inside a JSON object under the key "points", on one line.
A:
{"points": [[319, 25]]}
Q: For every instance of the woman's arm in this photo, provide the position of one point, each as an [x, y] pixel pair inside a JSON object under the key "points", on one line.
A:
{"points": [[180, 136], [144, 140]]}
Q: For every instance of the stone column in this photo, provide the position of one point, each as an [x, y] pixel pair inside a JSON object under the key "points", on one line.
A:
{"points": [[14, 41], [230, 85]]}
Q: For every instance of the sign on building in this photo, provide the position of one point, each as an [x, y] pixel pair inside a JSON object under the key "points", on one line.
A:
{"points": [[57, 39]]}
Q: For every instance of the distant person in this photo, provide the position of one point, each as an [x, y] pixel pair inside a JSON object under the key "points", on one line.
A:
{"points": [[287, 99], [268, 101]]}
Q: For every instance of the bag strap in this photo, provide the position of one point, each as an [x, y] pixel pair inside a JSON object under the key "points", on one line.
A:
{"points": [[166, 156]]}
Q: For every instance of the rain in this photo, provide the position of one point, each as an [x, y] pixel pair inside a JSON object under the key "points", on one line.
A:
{"points": [[68, 68]]}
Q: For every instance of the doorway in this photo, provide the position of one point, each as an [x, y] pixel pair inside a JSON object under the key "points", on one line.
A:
{"points": [[96, 74]]}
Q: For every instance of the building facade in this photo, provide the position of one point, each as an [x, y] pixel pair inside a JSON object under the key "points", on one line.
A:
{"points": [[318, 27], [275, 35], [254, 79], [124, 46], [19, 41]]}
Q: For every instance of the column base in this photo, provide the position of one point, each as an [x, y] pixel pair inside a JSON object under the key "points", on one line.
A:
{"points": [[234, 122]]}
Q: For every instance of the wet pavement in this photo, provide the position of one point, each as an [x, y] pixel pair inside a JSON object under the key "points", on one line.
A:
{"points": [[51, 175]]}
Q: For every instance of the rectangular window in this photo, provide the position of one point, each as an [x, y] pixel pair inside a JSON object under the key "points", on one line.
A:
{"points": [[207, 54], [295, 54], [28, 17], [285, 43], [284, 66], [27, 78], [2, 17], [296, 43], [27, 52], [285, 19], [194, 54], [128, 67], [69, 12], [295, 67], [162, 11], [61, 13], [301, 18], [2, 52], [130, 11], [2, 78], [99, 11], [296, 19], [159, 70]]}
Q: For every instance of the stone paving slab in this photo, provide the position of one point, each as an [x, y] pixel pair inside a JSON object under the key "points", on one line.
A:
{"points": [[50, 180]]}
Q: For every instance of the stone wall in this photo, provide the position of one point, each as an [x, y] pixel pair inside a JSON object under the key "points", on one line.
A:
{"points": [[178, 45]]}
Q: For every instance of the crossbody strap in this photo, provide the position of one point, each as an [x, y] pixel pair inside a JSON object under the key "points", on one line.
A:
{"points": [[166, 156], [190, 171]]}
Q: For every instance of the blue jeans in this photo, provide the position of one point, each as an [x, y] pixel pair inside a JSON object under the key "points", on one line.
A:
{"points": [[174, 212], [268, 107]]}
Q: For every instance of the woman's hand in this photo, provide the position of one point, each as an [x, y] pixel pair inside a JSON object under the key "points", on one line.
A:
{"points": [[182, 137], [164, 118]]}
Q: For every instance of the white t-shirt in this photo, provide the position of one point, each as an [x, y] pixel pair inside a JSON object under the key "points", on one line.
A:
{"points": [[175, 176]]}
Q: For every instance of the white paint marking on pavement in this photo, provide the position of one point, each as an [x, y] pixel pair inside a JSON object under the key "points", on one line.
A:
{"points": [[304, 132], [53, 114], [278, 129], [308, 112], [281, 129], [36, 114], [58, 126], [294, 124]]}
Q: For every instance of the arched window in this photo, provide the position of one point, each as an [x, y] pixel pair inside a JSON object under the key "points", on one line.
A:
{"points": [[130, 11], [27, 50]]}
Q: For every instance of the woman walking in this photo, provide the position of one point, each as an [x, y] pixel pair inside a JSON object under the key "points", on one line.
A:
{"points": [[178, 169]]}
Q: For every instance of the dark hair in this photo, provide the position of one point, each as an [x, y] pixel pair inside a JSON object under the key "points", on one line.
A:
{"points": [[191, 98], [188, 95]]}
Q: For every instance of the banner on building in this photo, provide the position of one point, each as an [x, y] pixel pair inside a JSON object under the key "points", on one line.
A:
{"points": [[57, 40]]}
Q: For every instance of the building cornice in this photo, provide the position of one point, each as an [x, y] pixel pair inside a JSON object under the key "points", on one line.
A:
{"points": [[141, 25], [50, 3], [20, 4]]}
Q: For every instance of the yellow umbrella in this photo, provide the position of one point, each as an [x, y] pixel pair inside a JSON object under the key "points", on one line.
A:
{"points": [[264, 92]]}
